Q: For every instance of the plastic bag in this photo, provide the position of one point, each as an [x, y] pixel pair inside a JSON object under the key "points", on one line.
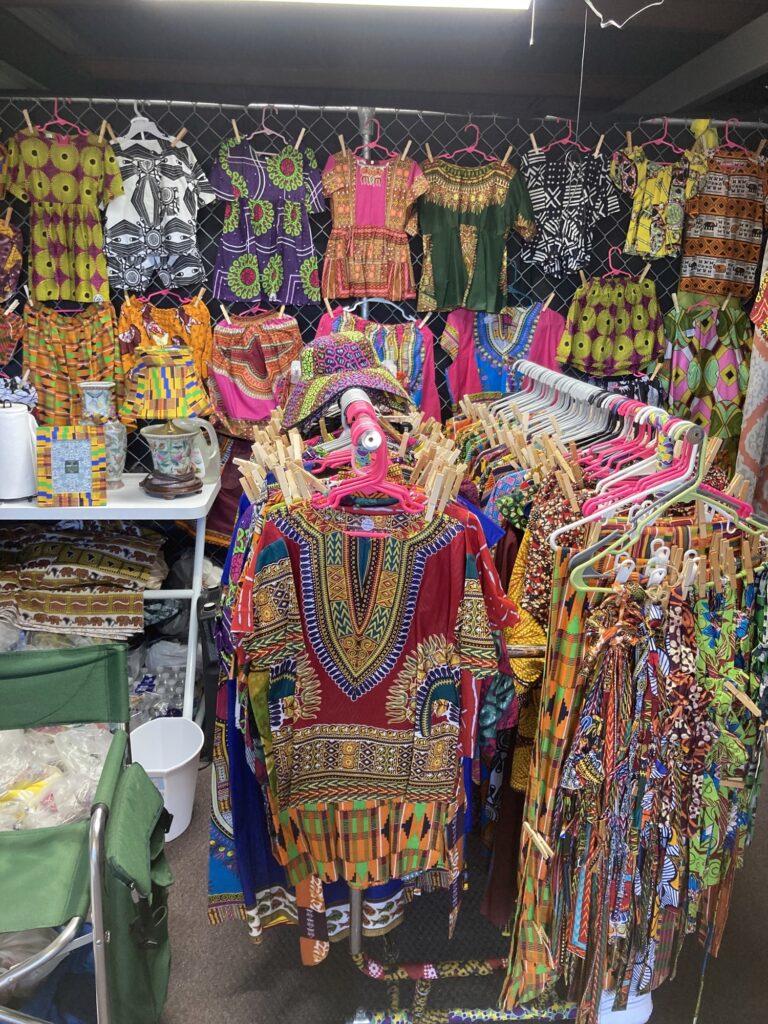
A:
{"points": [[15, 947]]}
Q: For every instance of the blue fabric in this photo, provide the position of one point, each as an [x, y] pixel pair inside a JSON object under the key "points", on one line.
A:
{"points": [[491, 531]]}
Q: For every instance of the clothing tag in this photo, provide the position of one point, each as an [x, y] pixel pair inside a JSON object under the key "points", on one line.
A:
{"points": [[691, 332], [295, 371], [367, 523], [98, 297]]}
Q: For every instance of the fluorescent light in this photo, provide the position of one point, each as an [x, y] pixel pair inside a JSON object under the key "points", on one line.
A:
{"points": [[466, 5]]}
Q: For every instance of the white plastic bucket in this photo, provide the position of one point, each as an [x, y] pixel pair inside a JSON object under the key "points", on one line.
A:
{"points": [[168, 749]]}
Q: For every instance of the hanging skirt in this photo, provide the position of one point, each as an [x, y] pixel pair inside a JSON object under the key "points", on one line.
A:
{"points": [[63, 349]]}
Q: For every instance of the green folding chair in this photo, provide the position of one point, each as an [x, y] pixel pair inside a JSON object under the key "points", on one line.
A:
{"points": [[110, 868]]}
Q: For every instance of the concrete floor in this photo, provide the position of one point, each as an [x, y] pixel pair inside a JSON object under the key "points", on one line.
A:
{"points": [[219, 977]]}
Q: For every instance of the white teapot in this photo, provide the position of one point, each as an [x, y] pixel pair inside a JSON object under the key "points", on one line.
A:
{"points": [[18, 452], [206, 456]]}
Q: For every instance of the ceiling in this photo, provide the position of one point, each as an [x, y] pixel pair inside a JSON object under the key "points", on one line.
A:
{"points": [[687, 56]]}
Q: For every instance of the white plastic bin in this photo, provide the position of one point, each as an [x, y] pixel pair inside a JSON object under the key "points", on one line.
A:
{"points": [[168, 749]]}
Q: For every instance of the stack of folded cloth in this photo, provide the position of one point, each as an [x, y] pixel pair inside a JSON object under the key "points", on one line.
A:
{"points": [[89, 581]]}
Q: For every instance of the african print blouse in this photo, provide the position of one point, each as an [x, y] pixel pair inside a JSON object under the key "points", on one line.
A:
{"points": [[483, 345], [614, 326], [11, 248], [706, 368], [151, 229], [409, 347], [659, 193], [570, 193], [724, 227], [366, 644], [466, 216], [266, 249], [372, 203], [67, 180]]}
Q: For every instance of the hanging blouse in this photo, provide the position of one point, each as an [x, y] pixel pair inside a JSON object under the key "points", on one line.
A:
{"points": [[251, 358], [373, 210], [266, 249], [410, 348], [11, 249], [151, 228], [659, 193], [188, 324], [67, 180], [725, 221], [466, 216], [707, 368], [570, 192], [482, 346], [614, 326]]}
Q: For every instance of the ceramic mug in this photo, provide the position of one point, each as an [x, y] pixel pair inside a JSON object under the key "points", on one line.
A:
{"points": [[171, 452]]}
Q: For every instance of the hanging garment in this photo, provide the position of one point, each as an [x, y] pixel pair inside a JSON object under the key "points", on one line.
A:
{"points": [[163, 384], [63, 349], [752, 462], [483, 345], [187, 325], [659, 193], [570, 193], [151, 229], [466, 215], [707, 369], [724, 223], [11, 333], [67, 180], [373, 209], [251, 358], [266, 249], [11, 250], [614, 326], [409, 347]]}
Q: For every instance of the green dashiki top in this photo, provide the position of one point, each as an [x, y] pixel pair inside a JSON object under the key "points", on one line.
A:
{"points": [[465, 218]]}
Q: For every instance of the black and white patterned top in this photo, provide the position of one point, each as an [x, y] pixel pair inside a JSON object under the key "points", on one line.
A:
{"points": [[570, 192], [151, 229]]}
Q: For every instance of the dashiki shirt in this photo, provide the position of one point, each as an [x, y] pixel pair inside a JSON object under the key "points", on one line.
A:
{"points": [[151, 228], [706, 369], [373, 208], [614, 326], [570, 193], [724, 226], [251, 358], [361, 648], [409, 347], [483, 345], [659, 193], [11, 249], [67, 180], [266, 249], [465, 217]]}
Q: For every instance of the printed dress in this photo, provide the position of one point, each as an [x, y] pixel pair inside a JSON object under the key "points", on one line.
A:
{"points": [[151, 229], [724, 227], [67, 180], [659, 193], [373, 208], [266, 249], [465, 217]]}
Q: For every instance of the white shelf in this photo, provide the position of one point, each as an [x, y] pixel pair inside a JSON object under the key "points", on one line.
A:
{"points": [[128, 502]]}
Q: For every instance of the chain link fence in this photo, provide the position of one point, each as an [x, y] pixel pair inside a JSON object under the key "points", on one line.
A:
{"points": [[335, 989]]}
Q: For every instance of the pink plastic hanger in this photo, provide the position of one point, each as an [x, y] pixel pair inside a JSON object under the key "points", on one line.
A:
{"points": [[728, 142], [264, 130], [664, 140], [57, 119], [567, 140], [163, 293], [473, 148], [612, 270], [376, 143]]}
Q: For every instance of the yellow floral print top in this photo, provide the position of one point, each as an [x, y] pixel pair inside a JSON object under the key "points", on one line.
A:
{"points": [[659, 193]]}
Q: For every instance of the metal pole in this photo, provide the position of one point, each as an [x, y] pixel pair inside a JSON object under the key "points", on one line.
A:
{"points": [[355, 921], [365, 117]]}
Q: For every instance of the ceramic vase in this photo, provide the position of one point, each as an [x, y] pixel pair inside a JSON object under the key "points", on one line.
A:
{"points": [[171, 449], [98, 400]]}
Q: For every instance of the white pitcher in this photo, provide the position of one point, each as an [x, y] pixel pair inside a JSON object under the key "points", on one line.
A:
{"points": [[206, 456], [18, 452]]}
